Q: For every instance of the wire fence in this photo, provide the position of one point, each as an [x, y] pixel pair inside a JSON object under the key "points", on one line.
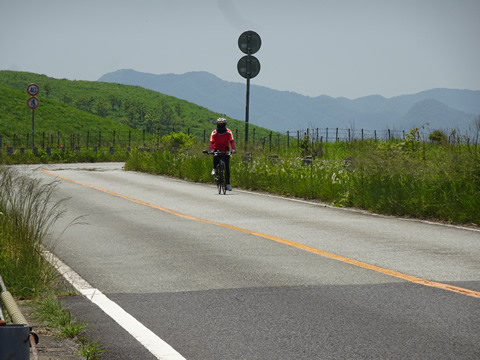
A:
{"points": [[115, 140]]}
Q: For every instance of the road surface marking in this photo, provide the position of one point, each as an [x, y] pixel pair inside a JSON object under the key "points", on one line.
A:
{"points": [[159, 348], [326, 254]]}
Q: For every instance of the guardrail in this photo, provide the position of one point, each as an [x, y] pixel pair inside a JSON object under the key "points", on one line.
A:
{"points": [[17, 338]]}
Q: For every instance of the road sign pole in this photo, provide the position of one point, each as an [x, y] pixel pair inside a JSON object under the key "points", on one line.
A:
{"points": [[32, 103], [248, 66], [33, 129], [247, 106], [247, 102]]}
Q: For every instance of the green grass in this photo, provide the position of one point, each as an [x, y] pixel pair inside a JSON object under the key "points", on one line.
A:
{"points": [[90, 350], [27, 213], [407, 178], [59, 155], [51, 311]]}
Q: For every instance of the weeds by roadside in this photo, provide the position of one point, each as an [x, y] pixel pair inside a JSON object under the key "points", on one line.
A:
{"points": [[407, 177], [55, 316], [27, 213], [51, 311]]}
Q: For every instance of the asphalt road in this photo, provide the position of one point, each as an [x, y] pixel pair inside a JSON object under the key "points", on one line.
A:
{"points": [[253, 276]]}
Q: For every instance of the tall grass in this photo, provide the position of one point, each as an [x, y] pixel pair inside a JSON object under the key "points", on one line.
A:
{"points": [[406, 177], [27, 214], [430, 181], [59, 156]]}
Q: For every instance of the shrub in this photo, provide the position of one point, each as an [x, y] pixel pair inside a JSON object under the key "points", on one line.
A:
{"points": [[438, 137]]}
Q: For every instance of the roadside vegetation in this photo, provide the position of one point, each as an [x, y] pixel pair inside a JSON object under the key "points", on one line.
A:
{"points": [[50, 310], [408, 177], [28, 212]]}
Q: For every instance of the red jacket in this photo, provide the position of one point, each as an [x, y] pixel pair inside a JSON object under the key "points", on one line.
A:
{"points": [[221, 142]]}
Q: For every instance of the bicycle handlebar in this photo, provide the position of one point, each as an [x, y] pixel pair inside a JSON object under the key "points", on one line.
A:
{"points": [[217, 153]]}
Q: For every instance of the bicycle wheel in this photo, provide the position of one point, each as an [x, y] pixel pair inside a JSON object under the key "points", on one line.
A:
{"points": [[222, 186], [219, 178]]}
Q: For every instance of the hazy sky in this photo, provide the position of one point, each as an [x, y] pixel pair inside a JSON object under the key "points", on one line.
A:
{"points": [[349, 48]]}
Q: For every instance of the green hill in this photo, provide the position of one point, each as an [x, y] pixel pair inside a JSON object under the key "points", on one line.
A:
{"points": [[78, 107]]}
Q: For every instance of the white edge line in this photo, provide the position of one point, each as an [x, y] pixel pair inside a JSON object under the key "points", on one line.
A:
{"points": [[158, 347], [326, 205], [361, 211]]}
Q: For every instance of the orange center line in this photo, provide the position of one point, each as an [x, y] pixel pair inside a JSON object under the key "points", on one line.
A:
{"points": [[323, 253]]}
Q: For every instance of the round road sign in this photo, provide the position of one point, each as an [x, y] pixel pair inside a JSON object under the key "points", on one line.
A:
{"points": [[33, 103], [249, 42], [32, 89], [248, 66]]}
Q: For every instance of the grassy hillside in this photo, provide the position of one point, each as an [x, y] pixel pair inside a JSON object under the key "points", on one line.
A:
{"points": [[51, 115], [79, 106]]}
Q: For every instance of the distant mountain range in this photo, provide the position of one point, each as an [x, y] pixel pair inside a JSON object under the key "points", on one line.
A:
{"points": [[282, 111]]}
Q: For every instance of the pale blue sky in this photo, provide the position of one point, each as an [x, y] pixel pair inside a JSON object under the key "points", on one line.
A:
{"points": [[349, 48]]}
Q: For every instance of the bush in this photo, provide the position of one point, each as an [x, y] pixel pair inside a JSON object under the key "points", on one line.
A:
{"points": [[438, 137]]}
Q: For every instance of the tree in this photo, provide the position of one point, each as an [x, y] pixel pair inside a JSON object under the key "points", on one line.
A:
{"points": [[67, 98], [130, 110], [166, 114], [101, 107], [142, 112], [84, 103], [47, 88], [178, 109], [115, 101]]}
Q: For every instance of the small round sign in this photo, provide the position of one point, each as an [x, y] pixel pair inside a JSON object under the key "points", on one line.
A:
{"points": [[33, 103], [33, 89], [249, 42], [248, 66]]}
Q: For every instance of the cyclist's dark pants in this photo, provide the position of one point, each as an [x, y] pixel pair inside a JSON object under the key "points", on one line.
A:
{"points": [[216, 160]]}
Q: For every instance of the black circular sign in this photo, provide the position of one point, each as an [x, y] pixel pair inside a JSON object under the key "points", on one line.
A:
{"points": [[248, 66], [249, 42]]}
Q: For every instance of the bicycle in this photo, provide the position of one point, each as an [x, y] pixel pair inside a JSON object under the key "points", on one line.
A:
{"points": [[219, 175]]}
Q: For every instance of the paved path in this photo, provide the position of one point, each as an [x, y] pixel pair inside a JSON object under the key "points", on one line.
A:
{"points": [[250, 276]]}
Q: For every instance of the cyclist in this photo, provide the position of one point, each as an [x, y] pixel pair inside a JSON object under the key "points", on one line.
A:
{"points": [[220, 140]]}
